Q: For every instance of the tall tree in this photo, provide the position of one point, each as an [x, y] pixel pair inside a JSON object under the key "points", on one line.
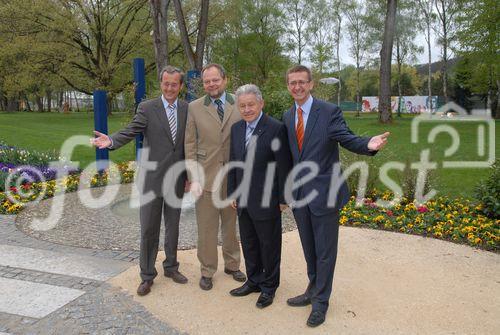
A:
{"points": [[339, 8], [159, 9], [359, 36], [447, 12], [298, 13], [385, 112], [96, 39], [406, 50], [194, 57], [321, 34], [426, 10], [478, 39]]}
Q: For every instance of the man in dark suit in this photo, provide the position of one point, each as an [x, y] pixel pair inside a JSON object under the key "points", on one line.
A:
{"points": [[315, 129], [162, 120], [261, 143]]}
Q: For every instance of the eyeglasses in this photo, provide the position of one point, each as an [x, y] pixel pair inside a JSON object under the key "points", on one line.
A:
{"points": [[300, 83], [214, 81]]}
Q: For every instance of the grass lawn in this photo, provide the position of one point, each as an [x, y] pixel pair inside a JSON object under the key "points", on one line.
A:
{"points": [[47, 131]]}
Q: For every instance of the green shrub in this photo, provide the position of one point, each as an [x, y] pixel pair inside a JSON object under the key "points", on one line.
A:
{"points": [[487, 192]]}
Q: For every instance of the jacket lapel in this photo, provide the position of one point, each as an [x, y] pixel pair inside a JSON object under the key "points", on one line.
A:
{"points": [[162, 117], [228, 109], [293, 136], [211, 109], [311, 122], [181, 119], [258, 131], [241, 140]]}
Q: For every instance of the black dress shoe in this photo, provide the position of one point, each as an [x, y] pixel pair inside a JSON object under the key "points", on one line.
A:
{"points": [[176, 276], [316, 318], [237, 275], [243, 290], [145, 287], [206, 283], [264, 300], [299, 301]]}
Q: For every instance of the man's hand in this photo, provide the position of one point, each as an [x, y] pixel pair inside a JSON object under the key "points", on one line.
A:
{"points": [[283, 207], [234, 204], [377, 142], [195, 189], [102, 141]]}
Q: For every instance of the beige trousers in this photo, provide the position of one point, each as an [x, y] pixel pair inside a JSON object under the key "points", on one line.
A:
{"points": [[208, 218]]}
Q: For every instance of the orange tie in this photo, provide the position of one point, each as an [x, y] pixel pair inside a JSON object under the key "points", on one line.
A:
{"points": [[299, 130]]}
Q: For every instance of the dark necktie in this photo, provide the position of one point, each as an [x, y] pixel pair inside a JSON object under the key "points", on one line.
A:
{"points": [[220, 109]]}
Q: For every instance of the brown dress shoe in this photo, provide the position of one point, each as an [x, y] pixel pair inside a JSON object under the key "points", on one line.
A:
{"points": [[206, 283], [237, 275], [145, 287], [176, 276]]}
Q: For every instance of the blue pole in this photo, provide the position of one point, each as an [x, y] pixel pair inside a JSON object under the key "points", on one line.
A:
{"points": [[140, 94], [192, 78], [101, 125]]}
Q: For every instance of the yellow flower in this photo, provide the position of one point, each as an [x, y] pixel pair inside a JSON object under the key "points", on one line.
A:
{"points": [[343, 219]]}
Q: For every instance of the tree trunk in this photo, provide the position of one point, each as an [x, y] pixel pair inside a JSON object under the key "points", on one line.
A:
{"points": [[76, 102], [400, 90], [384, 104], [60, 101], [429, 73], [12, 105], [39, 102], [357, 90], [159, 10], [339, 26], [195, 59], [27, 102], [48, 93]]}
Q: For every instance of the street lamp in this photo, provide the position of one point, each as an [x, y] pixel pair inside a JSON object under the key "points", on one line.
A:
{"points": [[332, 81]]}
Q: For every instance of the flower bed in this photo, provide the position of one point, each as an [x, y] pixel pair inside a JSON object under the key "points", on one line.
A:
{"points": [[29, 165], [457, 220], [43, 190]]}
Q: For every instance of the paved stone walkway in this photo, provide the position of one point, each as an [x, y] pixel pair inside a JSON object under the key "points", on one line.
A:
{"points": [[113, 227], [49, 288]]}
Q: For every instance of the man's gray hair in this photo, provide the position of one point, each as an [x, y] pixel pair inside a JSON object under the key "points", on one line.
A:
{"points": [[171, 70], [249, 89]]}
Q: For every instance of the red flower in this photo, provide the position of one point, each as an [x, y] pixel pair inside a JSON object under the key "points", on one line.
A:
{"points": [[389, 212], [13, 189], [26, 186], [422, 209]]}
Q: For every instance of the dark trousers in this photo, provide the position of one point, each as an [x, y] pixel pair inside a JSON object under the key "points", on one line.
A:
{"points": [[150, 217], [261, 244], [319, 238]]}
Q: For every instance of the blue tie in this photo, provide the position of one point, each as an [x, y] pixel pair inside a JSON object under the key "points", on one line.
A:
{"points": [[248, 135]]}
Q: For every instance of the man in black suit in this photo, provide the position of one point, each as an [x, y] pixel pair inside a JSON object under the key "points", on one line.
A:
{"points": [[315, 130], [162, 120], [261, 143]]}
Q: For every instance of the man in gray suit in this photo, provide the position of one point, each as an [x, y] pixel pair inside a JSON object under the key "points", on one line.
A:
{"points": [[162, 120]]}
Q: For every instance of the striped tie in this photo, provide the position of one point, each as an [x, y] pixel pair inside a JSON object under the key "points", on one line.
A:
{"points": [[172, 121], [248, 135], [220, 109], [299, 130]]}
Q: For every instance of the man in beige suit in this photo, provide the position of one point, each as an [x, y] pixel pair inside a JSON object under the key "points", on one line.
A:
{"points": [[207, 139]]}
